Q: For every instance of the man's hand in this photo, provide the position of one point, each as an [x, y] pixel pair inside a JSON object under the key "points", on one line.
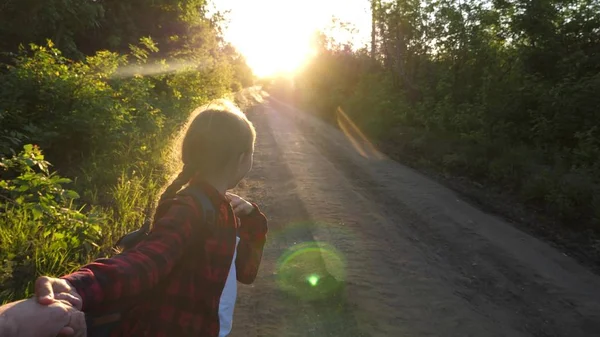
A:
{"points": [[48, 290], [240, 206], [29, 318]]}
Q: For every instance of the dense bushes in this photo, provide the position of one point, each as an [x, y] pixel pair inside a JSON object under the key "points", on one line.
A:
{"points": [[40, 229], [514, 152], [85, 112], [504, 94], [102, 121], [112, 132], [104, 105]]}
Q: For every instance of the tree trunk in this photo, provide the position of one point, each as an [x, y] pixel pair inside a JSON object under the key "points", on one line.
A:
{"points": [[373, 29]]}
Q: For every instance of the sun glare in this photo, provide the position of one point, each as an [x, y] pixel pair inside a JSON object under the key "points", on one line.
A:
{"points": [[275, 35]]}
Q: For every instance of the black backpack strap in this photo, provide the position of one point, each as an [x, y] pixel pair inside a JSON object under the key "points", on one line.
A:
{"points": [[208, 209], [131, 239]]}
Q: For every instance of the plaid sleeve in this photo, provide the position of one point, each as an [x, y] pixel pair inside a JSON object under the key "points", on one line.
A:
{"points": [[253, 235], [141, 268]]}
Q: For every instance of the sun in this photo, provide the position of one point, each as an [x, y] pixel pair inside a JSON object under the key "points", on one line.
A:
{"points": [[274, 50], [287, 57], [275, 35], [271, 34]]}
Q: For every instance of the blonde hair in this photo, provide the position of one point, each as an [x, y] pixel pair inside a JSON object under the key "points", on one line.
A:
{"points": [[213, 138]]}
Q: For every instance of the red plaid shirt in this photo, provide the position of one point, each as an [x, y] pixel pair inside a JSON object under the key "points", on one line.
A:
{"points": [[179, 270]]}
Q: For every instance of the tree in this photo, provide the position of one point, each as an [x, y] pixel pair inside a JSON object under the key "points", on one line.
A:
{"points": [[35, 21], [512, 82]]}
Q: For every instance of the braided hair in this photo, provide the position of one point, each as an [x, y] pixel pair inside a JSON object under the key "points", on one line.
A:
{"points": [[213, 138], [181, 180]]}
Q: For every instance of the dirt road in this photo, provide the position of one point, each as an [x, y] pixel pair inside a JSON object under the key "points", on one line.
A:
{"points": [[398, 254]]}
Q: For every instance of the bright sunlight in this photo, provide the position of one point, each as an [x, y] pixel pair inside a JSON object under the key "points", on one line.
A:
{"points": [[275, 35]]}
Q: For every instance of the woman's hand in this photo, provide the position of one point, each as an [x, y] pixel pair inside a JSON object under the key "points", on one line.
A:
{"points": [[49, 290], [240, 206], [29, 318]]}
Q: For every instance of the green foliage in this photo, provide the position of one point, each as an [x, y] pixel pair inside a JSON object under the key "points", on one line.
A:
{"points": [[35, 21], [41, 231], [103, 87], [52, 100], [105, 103], [102, 121], [505, 93]]}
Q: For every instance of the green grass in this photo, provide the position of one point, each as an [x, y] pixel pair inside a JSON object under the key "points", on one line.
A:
{"points": [[60, 235]]}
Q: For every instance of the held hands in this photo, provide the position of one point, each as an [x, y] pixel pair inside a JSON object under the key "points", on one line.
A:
{"points": [[48, 290], [53, 295], [54, 311], [29, 318], [240, 206]]}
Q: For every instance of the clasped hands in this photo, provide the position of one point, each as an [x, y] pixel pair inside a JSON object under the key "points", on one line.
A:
{"points": [[54, 311]]}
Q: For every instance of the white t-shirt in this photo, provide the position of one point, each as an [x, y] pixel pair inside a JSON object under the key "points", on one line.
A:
{"points": [[227, 300]]}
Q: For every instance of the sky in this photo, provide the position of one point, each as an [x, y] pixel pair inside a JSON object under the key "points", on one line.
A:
{"points": [[275, 35]]}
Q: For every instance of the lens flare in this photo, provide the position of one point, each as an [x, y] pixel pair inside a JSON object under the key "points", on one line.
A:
{"points": [[301, 271], [357, 138], [313, 280], [159, 68]]}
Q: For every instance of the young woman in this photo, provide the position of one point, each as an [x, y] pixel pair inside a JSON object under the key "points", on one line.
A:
{"points": [[181, 279]]}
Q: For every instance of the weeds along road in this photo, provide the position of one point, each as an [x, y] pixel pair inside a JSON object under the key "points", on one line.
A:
{"points": [[397, 254]]}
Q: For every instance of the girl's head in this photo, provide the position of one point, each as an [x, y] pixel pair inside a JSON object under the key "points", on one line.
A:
{"points": [[218, 147]]}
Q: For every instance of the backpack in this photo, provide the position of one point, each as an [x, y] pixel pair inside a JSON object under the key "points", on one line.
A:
{"points": [[103, 324]]}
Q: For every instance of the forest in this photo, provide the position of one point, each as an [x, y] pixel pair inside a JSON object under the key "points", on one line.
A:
{"points": [[92, 94], [503, 93]]}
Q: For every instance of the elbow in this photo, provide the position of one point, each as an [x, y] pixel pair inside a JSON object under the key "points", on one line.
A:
{"points": [[246, 278]]}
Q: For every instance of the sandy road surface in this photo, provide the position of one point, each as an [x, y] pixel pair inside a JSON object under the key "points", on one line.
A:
{"points": [[418, 261]]}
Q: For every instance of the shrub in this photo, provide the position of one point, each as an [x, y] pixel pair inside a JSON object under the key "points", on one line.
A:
{"points": [[41, 230], [108, 120]]}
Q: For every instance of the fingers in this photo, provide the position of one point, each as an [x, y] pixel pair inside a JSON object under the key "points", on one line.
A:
{"points": [[78, 324], [240, 205], [236, 201], [44, 291], [70, 298], [233, 198], [66, 332], [49, 290], [244, 208], [237, 209], [30, 318]]}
